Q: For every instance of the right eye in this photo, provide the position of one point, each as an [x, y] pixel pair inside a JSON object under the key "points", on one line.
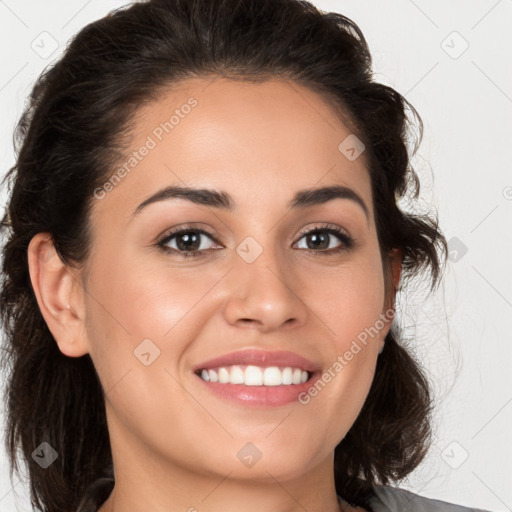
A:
{"points": [[188, 242]]}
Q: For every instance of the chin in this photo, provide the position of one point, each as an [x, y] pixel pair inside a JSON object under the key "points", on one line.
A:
{"points": [[265, 461]]}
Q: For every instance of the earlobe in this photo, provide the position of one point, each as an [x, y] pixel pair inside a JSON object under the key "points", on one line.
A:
{"points": [[59, 295]]}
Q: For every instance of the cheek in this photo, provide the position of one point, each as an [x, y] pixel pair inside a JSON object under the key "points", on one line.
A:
{"points": [[348, 299], [135, 307], [147, 297]]}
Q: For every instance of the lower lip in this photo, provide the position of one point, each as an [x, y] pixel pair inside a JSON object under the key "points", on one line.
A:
{"points": [[266, 396]]}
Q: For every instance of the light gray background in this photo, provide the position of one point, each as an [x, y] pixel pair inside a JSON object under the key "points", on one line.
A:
{"points": [[464, 96]]}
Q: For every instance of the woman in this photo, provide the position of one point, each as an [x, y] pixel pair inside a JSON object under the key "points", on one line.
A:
{"points": [[203, 247]]}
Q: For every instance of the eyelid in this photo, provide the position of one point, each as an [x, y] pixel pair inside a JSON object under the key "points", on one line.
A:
{"points": [[192, 226], [322, 227]]}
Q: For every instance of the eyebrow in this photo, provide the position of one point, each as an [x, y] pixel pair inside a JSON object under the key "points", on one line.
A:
{"points": [[221, 199]]}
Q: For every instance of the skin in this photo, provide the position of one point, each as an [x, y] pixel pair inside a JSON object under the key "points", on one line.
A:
{"points": [[174, 443]]}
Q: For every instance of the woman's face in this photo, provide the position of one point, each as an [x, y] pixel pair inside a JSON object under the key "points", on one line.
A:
{"points": [[262, 301]]}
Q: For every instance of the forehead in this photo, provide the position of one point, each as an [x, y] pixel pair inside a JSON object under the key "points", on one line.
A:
{"points": [[262, 141]]}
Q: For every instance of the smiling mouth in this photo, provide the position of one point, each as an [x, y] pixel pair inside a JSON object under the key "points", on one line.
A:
{"points": [[251, 375]]}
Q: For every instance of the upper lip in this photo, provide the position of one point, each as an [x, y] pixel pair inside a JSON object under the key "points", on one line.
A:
{"points": [[263, 358]]}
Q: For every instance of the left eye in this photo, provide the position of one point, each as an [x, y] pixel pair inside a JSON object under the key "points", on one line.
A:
{"points": [[317, 238]]}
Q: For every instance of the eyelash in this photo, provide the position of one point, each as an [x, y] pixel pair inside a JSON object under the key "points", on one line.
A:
{"points": [[347, 240]]}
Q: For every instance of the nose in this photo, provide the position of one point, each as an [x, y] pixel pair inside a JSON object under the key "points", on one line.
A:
{"points": [[264, 294]]}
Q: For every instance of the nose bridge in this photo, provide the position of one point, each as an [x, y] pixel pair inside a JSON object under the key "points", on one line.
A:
{"points": [[262, 290]]}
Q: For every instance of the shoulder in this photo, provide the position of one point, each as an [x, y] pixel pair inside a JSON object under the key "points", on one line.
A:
{"points": [[393, 499]]}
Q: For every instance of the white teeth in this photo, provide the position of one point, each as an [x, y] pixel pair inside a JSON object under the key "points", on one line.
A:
{"points": [[256, 376], [237, 375], [223, 375], [253, 376], [272, 376], [296, 377], [287, 376]]}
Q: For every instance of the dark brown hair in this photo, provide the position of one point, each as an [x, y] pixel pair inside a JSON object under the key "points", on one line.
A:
{"points": [[70, 137]]}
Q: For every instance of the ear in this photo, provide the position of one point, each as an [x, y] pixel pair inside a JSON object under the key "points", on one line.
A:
{"points": [[393, 270], [396, 268], [59, 295]]}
